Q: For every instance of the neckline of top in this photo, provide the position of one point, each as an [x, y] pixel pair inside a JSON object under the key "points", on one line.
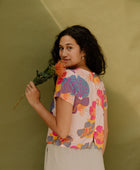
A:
{"points": [[90, 72]]}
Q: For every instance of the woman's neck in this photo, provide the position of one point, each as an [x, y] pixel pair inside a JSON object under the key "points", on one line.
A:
{"points": [[81, 66]]}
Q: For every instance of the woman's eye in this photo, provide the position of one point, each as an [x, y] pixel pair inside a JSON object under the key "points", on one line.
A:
{"points": [[69, 48], [60, 48]]}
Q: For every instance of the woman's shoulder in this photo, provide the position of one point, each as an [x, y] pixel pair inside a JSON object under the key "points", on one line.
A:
{"points": [[68, 73], [84, 74], [75, 76], [77, 72]]}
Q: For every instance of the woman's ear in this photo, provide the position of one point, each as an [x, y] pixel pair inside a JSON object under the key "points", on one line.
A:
{"points": [[83, 54]]}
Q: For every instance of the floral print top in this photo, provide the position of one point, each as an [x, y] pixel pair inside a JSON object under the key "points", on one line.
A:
{"points": [[86, 92]]}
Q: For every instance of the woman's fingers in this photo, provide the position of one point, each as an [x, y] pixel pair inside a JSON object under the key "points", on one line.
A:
{"points": [[30, 87], [32, 84], [32, 93]]}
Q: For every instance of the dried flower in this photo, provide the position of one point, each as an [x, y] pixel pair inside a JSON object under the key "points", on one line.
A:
{"points": [[41, 77], [48, 73], [60, 69]]}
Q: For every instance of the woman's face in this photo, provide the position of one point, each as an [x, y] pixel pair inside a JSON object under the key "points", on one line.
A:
{"points": [[70, 52]]}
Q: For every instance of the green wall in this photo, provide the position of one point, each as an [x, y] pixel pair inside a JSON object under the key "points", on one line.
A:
{"points": [[27, 32]]}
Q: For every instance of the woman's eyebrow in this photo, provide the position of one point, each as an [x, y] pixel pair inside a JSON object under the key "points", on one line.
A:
{"points": [[66, 44], [69, 44]]}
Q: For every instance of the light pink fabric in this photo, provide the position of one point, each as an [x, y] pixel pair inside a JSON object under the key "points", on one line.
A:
{"points": [[86, 92]]}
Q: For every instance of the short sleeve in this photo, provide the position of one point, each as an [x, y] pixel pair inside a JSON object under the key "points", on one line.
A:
{"points": [[64, 87], [105, 99]]}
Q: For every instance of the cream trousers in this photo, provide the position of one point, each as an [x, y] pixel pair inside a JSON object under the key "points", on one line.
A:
{"points": [[59, 158]]}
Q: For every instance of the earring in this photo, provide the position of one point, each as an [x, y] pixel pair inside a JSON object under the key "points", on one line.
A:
{"points": [[83, 57]]}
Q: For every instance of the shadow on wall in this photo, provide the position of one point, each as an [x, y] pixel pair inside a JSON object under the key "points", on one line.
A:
{"points": [[123, 147]]}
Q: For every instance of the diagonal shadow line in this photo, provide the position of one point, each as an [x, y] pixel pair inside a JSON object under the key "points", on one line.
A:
{"points": [[51, 14]]}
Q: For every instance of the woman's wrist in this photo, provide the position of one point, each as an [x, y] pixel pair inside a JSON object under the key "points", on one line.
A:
{"points": [[36, 105]]}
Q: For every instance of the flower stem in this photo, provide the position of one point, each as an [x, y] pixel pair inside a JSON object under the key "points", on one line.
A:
{"points": [[18, 101]]}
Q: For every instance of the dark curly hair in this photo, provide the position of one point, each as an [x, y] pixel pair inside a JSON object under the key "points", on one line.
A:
{"points": [[86, 40]]}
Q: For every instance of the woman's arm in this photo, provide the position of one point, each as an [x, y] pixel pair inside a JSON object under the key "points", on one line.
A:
{"points": [[59, 124], [105, 130]]}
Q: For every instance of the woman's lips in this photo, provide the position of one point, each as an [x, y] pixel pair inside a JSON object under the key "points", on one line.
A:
{"points": [[65, 60]]}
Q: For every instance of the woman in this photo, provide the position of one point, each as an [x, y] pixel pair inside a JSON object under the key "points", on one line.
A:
{"points": [[77, 121]]}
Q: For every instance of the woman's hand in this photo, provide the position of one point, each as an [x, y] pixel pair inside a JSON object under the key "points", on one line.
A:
{"points": [[32, 94]]}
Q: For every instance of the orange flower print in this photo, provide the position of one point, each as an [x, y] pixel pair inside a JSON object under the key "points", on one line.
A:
{"points": [[96, 80], [87, 131], [58, 87], [82, 109], [93, 77], [99, 136], [101, 96], [66, 96], [53, 138], [81, 146], [60, 69]]}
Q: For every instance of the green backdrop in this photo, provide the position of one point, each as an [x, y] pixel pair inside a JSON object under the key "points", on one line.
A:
{"points": [[27, 32]]}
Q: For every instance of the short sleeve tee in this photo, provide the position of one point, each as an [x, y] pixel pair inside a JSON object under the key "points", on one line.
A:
{"points": [[86, 92]]}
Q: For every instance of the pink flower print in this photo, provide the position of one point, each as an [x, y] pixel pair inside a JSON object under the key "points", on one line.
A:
{"points": [[105, 100], [54, 133], [94, 104], [76, 147], [59, 80], [99, 136], [81, 146], [92, 110], [64, 74], [99, 92]]}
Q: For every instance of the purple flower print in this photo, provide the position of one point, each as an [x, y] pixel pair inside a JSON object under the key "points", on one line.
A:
{"points": [[77, 86]]}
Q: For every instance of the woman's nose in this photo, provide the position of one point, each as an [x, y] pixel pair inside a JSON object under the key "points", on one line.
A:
{"points": [[64, 53]]}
